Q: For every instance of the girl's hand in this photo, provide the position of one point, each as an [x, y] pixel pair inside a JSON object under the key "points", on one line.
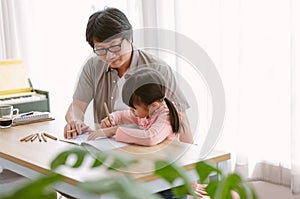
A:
{"points": [[103, 133], [199, 189], [94, 135], [105, 123]]}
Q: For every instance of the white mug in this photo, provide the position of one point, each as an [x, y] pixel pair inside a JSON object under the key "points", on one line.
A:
{"points": [[6, 115]]}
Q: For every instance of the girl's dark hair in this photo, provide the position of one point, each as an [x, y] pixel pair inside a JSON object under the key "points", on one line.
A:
{"points": [[147, 86], [106, 25]]}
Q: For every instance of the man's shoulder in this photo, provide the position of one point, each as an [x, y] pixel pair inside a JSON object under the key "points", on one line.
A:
{"points": [[146, 57], [93, 60], [94, 64]]}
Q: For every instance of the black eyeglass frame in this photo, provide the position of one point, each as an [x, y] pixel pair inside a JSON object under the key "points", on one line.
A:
{"points": [[110, 49]]}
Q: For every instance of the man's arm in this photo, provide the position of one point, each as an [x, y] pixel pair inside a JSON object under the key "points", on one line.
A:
{"points": [[75, 119]]}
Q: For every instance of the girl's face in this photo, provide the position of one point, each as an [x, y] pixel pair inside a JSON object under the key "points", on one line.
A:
{"points": [[140, 110]]}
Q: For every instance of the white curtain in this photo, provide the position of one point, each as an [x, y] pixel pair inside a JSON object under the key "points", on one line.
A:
{"points": [[295, 96], [15, 26], [255, 46]]}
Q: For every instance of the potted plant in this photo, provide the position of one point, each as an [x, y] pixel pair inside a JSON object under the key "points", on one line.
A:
{"points": [[125, 187]]}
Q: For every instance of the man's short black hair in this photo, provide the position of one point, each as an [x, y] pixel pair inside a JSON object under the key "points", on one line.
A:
{"points": [[108, 24]]}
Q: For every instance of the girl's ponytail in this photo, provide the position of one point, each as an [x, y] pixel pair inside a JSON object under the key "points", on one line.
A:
{"points": [[174, 117]]}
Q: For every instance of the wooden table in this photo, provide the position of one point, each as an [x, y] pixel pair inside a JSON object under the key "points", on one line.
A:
{"points": [[32, 159]]}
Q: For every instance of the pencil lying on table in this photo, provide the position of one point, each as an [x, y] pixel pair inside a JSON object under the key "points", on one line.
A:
{"points": [[43, 137], [38, 135], [107, 113], [27, 138], [50, 136], [34, 137]]}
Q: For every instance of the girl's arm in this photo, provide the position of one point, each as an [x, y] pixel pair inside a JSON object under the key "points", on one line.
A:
{"points": [[105, 132], [156, 133], [119, 117]]}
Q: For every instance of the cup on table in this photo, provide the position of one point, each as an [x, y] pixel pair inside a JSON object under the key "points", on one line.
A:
{"points": [[6, 115]]}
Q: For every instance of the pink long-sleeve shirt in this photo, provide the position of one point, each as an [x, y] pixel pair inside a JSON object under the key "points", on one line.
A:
{"points": [[151, 130]]}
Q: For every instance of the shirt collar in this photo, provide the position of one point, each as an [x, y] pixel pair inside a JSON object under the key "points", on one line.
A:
{"points": [[134, 62]]}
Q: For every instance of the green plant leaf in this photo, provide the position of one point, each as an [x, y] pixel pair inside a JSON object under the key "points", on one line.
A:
{"points": [[97, 163], [222, 190], [180, 191], [166, 170], [99, 156], [37, 189], [252, 192], [61, 158], [120, 186], [242, 192], [245, 191], [236, 184], [211, 188], [241, 187], [118, 159], [121, 163], [80, 157], [204, 170], [171, 172]]}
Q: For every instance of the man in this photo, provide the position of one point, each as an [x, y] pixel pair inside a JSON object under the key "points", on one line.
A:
{"points": [[109, 33]]}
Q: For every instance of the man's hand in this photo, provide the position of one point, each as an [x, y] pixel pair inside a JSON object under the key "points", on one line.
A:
{"points": [[75, 117], [74, 128]]}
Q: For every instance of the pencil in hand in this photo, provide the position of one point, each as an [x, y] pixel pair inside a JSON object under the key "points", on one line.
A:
{"points": [[71, 131], [74, 130], [107, 113]]}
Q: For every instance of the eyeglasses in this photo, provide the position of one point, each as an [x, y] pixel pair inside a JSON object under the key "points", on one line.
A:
{"points": [[113, 49]]}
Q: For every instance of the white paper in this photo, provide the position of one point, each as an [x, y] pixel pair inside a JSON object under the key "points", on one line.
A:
{"points": [[102, 144]]}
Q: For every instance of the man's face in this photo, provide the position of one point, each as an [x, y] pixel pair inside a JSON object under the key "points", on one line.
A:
{"points": [[116, 52]]}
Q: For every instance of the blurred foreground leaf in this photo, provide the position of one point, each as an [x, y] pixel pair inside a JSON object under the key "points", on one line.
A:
{"points": [[124, 187], [171, 172], [37, 189], [116, 160], [119, 186]]}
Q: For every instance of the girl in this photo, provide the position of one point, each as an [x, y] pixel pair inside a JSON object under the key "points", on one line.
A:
{"points": [[153, 113]]}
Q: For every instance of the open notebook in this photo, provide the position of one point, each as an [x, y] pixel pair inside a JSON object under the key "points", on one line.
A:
{"points": [[102, 144]]}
